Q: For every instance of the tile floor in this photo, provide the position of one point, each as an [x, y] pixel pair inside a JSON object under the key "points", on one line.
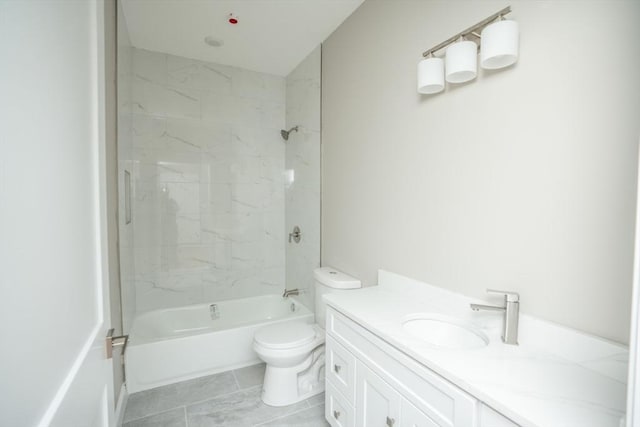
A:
{"points": [[228, 399]]}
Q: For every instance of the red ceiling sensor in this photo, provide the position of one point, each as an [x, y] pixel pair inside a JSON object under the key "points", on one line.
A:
{"points": [[233, 20]]}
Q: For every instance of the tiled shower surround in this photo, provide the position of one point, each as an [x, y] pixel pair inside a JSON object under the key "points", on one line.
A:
{"points": [[215, 189], [209, 193]]}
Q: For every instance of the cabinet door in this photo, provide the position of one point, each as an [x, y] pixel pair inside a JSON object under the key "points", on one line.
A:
{"points": [[378, 404], [414, 417]]}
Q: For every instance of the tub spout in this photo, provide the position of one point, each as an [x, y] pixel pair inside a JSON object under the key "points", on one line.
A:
{"points": [[288, 292]]}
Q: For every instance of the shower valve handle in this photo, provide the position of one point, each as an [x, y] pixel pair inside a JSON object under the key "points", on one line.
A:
{"points": [[296, 235]]}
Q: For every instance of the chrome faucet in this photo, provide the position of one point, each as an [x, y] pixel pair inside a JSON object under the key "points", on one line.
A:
{"points": [[511, 310], [290, 292]]}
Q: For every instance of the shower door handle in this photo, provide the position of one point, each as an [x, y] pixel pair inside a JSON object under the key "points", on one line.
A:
{"points": [[111, 342]]}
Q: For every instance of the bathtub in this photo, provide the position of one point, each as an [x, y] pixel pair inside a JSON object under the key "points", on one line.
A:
{"points": [[176, 344]]}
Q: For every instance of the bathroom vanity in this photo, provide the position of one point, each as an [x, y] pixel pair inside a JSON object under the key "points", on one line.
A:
{"points": [[380, 372]]}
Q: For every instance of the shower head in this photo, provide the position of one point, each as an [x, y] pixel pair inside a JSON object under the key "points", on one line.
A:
{"points": [[285, 133]]}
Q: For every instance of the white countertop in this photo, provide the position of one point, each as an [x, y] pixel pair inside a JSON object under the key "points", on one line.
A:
{"points": [[555, 377]]}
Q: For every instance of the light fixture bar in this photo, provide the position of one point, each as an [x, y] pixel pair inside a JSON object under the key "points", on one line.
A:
{"points": [[473, 30]]}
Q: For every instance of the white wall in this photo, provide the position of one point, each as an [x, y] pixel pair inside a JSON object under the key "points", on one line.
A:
{"points": [[209, 193], [523, 179], [302, 178]]}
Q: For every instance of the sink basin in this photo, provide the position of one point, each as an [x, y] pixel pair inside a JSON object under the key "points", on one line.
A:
{"points": [[444, 331]]}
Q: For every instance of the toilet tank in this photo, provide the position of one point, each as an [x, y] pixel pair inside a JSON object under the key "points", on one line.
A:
{"points": [[328, 280]]}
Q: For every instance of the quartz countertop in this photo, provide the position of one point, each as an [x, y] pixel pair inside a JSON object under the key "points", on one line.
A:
{"points": [[556, 376]]}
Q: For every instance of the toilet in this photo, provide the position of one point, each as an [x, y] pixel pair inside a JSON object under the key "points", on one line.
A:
{"points": [[294, 351]]}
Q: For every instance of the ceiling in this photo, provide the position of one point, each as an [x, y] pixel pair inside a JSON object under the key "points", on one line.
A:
{"points": [[271, 36]]}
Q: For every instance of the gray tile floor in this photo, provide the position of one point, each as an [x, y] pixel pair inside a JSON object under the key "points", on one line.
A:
{"points": [[228, 399]]}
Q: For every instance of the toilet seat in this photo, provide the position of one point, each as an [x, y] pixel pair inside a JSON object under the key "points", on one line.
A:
{"points": [[285, 335]]}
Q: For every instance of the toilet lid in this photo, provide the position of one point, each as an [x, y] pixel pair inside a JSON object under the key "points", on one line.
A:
{"points": [[285, 335]]}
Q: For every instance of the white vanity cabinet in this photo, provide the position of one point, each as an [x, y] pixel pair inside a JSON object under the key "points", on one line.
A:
{"points": [[413, 417], [371, 383], [491, 418]]}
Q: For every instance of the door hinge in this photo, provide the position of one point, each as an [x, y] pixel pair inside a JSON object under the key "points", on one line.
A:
{"points": [[112, 342]]}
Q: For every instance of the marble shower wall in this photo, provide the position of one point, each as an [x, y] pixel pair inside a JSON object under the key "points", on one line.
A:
{"points": [[302, 192], [125, 162], [209, 211]]}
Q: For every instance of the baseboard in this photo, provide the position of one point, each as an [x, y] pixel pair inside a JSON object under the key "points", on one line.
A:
{"points": [[121, 405]]}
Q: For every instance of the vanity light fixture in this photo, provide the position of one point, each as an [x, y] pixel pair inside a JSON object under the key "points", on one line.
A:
{"points": [[431, 75], [462, 61], [499, 46], [498, 41]]}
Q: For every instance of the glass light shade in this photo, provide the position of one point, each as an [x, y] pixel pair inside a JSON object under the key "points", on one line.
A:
{"points": [[499, 46], [462, 62], [430, 75]]}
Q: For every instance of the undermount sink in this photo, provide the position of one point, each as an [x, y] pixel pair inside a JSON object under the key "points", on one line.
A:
{"points": [[444, 331]]}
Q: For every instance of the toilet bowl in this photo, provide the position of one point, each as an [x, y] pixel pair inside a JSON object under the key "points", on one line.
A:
{"points": [[294, 355], [294, 351]]}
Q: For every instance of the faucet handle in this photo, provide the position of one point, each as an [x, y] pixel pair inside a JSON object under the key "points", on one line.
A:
{"points": [[509, 296]]}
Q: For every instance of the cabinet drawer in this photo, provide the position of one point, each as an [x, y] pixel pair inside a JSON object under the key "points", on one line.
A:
{"points": [[340, 369], [337, 411], [443, 402], [343, 329], [491, 418]]}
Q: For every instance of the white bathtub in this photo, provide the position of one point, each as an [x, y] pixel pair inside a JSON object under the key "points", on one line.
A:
{"points": [[177, 344]]}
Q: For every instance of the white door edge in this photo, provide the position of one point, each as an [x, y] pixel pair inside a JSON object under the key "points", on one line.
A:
{"points": [[85, 397], [633, 388]]}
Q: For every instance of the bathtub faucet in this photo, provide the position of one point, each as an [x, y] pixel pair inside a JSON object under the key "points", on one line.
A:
{"points": [[290, 292]]}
